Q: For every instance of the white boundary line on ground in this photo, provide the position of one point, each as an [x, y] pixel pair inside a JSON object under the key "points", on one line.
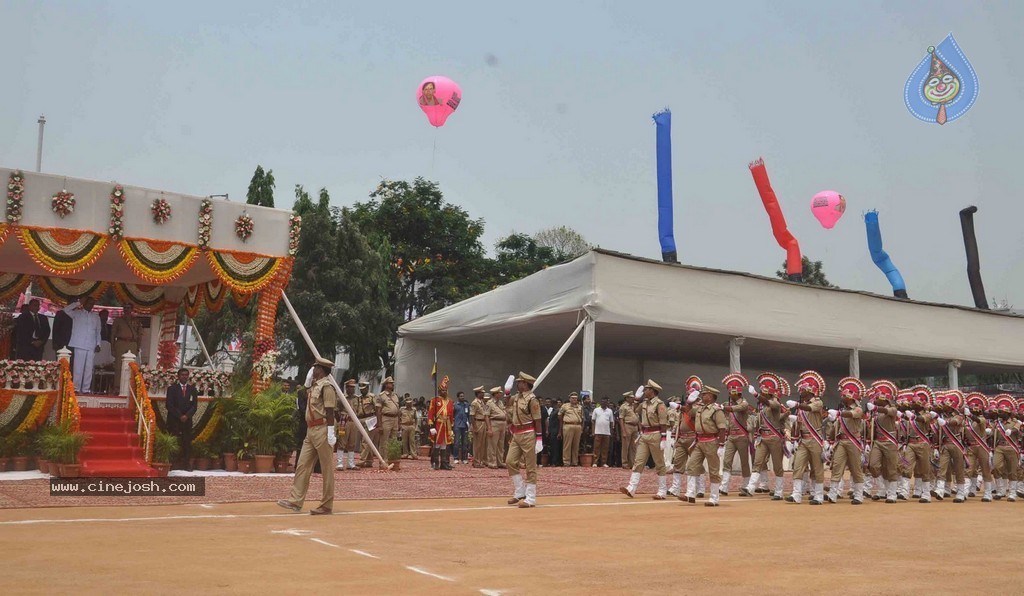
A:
{"points": [[362, 553], [428, 574], [633, 503], [325, 543]]}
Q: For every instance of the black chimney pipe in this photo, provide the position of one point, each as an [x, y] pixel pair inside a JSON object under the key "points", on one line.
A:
{"points": [[973, 266]]}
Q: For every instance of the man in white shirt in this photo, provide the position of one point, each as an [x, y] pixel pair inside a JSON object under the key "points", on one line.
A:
{"points": [[85, 342], [604, 419]]}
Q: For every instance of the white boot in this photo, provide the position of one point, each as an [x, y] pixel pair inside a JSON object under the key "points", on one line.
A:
{"points": [[691, 488], [940, 489], [916, 493], [1011, 493], [340, 465], [764, 481], [531, 496], [630, 489], [677, 484], [926, 495], [779, 483], [904, 488], [701, 484], [819, 493], [868, 484], [726, 477], [961, 492], [833, 493], [751, 485], [891, 491], [879, 493], [351, 460], [987, 496], [858, 493], [794, 497], [661, 488], [807, 483], [713, 496], [518, 488]]}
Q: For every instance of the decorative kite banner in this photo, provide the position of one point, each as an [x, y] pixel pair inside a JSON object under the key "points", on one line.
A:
{"points": [[66, 291], [244, 272], [214, 294], [145, 299], [973, 261], [663, 152], [943, 86], [794, 262], [193, 300], [12, 284], [61, 251], [881, 258], [156, 261]]}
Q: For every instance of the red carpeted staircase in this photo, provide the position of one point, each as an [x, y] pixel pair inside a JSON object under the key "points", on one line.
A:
{"points": [[113, 448]]}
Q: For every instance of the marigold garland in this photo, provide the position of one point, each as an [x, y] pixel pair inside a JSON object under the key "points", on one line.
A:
{"points": [[146, 299], [205, 223], [161, 211], [15, 196], [70, 409], [211, 426], [245, 272], [12, 284], [42, 404], [167, 354], [61, 251], [157, 261], [294, 228], [116, 229], [66, 290], [63, 203], [193, 300], [139, 385]]}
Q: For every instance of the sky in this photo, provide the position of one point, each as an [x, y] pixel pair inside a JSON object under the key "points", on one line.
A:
{"points": [[555, 124]]}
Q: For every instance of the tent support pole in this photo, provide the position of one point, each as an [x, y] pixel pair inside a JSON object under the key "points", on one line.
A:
{"points": [[558, 355], [334, 382], [855, 363], [589, 332], [202, 344], [734, 353], [954, 374]]}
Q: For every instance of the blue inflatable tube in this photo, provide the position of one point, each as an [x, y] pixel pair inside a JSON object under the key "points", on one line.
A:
{"points": [[881, 258], [663, 146]]}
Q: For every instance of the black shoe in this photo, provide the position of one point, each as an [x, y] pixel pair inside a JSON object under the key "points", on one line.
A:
{"points": [[856, 502], [996, 497], [691, 500], [776, 498], [745, 493], [924, 500], [972, 494], [958, 500], [901, 498], [986, 500], [790, 499], [890, 501], [710, 504], [876, 498], [700, 495], [815, 502], [760, 491], [829, 499]]}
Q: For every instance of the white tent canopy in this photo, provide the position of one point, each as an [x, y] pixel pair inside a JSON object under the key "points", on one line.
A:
{"points": [[666, 321]]}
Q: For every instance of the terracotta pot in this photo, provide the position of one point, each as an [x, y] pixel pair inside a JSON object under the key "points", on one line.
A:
{"points": [[3, 464], [586, 460], [43, 465], [230, 462], [201, 463], [215, 464], [544, 459], [70, 470], [245, 466], [424, 450], [53, 469], [19, 463], [281, 466], [264, 464], [161, 469]]}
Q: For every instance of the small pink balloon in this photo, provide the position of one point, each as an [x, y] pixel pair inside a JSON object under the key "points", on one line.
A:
{"points": [[828, 206], [438, 97]]}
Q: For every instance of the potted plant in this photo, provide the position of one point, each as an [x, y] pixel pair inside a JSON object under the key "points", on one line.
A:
{"points": [[19, 446], [245, 461], [394, 452], [201, 453], [165, 448], [586, 460], [270, 420], [45, 447], [62, 445]]}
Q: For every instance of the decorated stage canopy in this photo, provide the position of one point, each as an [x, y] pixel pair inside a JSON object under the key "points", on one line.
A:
{"points": [[75, 238]]}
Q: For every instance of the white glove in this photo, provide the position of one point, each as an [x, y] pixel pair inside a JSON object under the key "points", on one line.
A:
{"points": [[790, 404], [935, 454], [942, 421], [867, 449], [692, 397], [751, 390], [871, 406], [934, 414], [540, 445], [664, 443], [988, 431], [721, 453], [433, 431], [674, 405], [899, 414], [332, 437], [639, 392], [792, 417], [967, 411], [832, 414], [792, 447]]}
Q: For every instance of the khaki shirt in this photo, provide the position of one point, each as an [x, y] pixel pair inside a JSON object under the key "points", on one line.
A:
{"points": [[919, 423], [366, 405], [771, 412], [524, 408], [855, 424], [571, 414], [979, 425], [478, 410], [627, 414], [653, 413], [885, 419], [408, 417], [1010, 427], [709, 420], [123, 329], [954, 427], [673, 418], [496, 410], [813, 417], [321, 397], [387, 401], [741, 410]]}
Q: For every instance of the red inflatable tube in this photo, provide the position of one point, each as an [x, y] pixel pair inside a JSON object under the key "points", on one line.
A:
{"points": [[794, 264]]}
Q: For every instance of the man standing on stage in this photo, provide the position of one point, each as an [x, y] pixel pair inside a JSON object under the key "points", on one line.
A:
{"points": [[527, 441], [736, 411], [318, 444], [182, 401], [440, 418], [32, 331], [848, 429], [85, 341], [808, 431], [653, 430]]}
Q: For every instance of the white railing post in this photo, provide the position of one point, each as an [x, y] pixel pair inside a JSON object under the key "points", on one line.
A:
{"points": [[126, 373]]}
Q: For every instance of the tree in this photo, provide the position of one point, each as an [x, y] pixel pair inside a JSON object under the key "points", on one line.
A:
{"points": [[566, 242], [813, 274], [261, 188], [518, 255]]}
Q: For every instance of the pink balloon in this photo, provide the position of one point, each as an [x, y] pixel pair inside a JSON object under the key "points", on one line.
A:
{"points": [[438, 97], [828, 206]]}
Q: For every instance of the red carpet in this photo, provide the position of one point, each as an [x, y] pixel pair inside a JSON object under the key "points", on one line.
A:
{"points": [[113, 448]]}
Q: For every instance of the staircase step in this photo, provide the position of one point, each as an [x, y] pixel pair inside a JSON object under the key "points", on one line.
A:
{"points": [[112, 439], [118, 469], [105, 452], [95, 425], [105, 413]]}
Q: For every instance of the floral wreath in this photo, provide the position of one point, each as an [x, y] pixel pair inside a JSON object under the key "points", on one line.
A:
{"points": [[161, 210], [294, 226], [243, 227], [63, 203], [265, 366], [15, 192], [116, 212], [205, 223]]}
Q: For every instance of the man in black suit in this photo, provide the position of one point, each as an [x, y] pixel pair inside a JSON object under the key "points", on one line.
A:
{"points": [[62, 324], [182, 398], [32, 331]]}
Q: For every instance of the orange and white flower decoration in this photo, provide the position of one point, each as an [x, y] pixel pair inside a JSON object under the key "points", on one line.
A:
{"points": [[63, 203], [161, 210], [244, 226]]}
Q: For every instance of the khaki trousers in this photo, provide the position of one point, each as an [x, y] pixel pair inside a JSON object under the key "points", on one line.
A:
{"points": [[601, 444], [808, 455], [409, 440], [650, 446], [571, 444], [352, 436], [388, 430], [480, 443], [979, 461], [1005, 462], [367, 454], [770, 447], [847, 455], [919, 456], [629, 433], [314, 448], [496, 443], [681, 454], [523, 446], [705, 451], [739, 445], [948, 455], [884, 461]]}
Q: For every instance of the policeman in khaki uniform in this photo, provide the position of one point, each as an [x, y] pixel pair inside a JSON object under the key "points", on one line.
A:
{"points": [[407, 422], [847, 429], [979, 440], [388, 410], [712, 429], [629, 423], [352, 437], [653, 428], [318, 444], [527, 441], [479, 417], [919, 449], [367, 410], [736, 412], [685, 441], [807, 431], [1006, 457], [884, 444], [496, 439], [571, 417], [771, 420], [951, 446]]}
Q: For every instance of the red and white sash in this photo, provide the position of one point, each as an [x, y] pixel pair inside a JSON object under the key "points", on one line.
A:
{"points": [[977, 438], [952, 439], [807, 424], [849, 435], [1002, 431], [886, 435]]}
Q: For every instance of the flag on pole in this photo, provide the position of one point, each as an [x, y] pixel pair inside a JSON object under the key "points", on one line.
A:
{"points": [[433, 372]]}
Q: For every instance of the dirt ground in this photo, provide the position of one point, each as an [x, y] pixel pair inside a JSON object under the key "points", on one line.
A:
{"points": [[592, 544]]}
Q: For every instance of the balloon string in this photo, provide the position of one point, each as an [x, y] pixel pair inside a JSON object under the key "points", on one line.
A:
{"points": [[433, 155]]}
